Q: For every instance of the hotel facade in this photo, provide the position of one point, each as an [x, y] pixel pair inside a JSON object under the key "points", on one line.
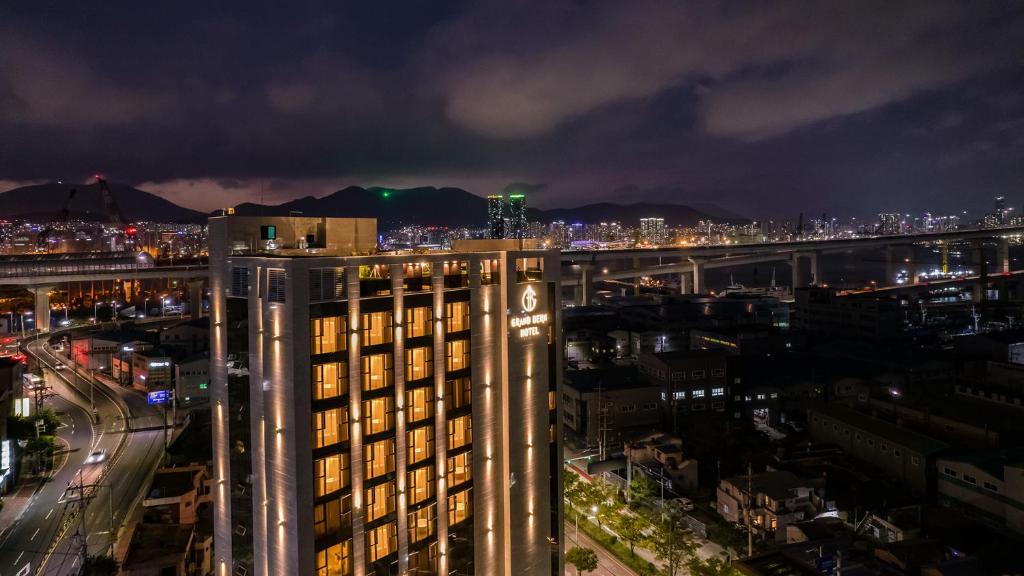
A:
{"points": [[382, 413]]}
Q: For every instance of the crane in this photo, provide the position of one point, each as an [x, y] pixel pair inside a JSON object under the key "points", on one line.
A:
{"points": [[114, 214], [45, 235]]}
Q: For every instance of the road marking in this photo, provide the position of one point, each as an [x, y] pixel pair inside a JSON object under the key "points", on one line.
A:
{"points": [[48, 514], [25, 570], [34, 534], [18, 559]]}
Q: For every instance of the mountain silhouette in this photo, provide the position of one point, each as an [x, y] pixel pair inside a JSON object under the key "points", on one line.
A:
{"points": [[45, 202], [454, 207]]}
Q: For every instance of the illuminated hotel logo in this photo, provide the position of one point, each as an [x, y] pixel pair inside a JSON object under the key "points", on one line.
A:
{"points": [[529, 299], [529, 324]]}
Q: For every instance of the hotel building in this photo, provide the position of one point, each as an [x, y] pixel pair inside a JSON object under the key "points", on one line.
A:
{"points": [[382, 413]]}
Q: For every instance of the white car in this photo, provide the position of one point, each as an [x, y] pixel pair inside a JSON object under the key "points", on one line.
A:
{"points": [[96, 456], [60, 366]]}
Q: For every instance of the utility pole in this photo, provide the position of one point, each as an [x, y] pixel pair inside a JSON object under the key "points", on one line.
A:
{"points": [[750, 505]]}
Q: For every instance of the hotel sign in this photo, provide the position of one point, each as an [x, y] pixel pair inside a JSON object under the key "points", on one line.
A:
{"points": [[528, 324]]}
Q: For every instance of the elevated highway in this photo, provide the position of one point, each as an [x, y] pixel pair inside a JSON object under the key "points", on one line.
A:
{"points": [[41, 273], [582, 268]]}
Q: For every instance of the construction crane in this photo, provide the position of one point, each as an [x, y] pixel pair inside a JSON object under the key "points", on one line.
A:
{"points": [[114, 214], [46, 234]]}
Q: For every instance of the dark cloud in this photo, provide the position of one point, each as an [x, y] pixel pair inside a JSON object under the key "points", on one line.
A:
{"points": [[768, 108]]}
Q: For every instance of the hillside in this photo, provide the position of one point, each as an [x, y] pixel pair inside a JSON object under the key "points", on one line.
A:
{"points": [[455, 207], [45, 202]]}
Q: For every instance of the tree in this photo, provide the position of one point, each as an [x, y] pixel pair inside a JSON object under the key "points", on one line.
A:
{"points": [[710, 567], [602, 496], [640, 488], [669, 538], [584, 559], [630, 527], [99, 566]]}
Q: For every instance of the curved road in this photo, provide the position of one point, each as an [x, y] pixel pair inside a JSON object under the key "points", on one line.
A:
{"points": [[118, 483]]}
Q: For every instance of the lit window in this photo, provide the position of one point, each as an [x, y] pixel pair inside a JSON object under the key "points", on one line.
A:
{"points": [[679, 395], [330, 427], [379, 458], [718, 392], [327, 335], [335, 561], [422, 523], [378, 415], [460, 469], [456, 355], [419, 322], [460, 432], [380, 501], [489, 273], [416, 276], [330, 474], [419, 404], [381, 541], [330, 380], [420, 444], [421, 484], [456, 315], [698, 393], [377, 328], [460, 506], [376, 371], [419, 362]]}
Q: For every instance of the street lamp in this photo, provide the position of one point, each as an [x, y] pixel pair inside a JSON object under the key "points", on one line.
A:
{"points": [[23, 314], [163, 306], [95, 312]]}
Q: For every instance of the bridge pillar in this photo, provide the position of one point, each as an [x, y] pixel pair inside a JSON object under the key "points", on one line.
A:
{"points": [[42, 307], [978, 289], [636, 281], [684, 283], [698, 276], [806, 269], [195, 298], [1003, 254]]}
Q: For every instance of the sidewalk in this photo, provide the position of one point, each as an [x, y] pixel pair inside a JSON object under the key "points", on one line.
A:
{"points": [[15, 504]]}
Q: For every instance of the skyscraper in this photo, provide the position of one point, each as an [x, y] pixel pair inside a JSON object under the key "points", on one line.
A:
{"points": [[653, 231], [888, 223], [496, 215], [382, 414], [517, 216]]}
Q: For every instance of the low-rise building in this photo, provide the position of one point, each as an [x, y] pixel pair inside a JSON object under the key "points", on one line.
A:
{"points": [[152, 370], [186, 338], [689, 380], [991, 483], [176, 495], [821, 313], [662, 454], [774, 499], [615, 401], [192, 378], [901, 453]]}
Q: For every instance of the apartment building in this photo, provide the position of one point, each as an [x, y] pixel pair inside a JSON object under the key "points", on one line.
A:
{"points": [[383, 413]]}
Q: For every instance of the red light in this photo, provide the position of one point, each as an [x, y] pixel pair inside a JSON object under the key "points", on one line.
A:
{"points": [[131, 230]]}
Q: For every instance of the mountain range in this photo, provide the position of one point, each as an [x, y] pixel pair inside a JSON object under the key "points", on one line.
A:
{"points": [[47, 201], [452, 207], [456, 207]]}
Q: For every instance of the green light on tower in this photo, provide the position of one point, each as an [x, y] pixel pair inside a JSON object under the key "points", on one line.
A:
{"points": [[385, 194]]}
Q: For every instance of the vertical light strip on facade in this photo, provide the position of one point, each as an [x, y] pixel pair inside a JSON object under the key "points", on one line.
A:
{"points": [[440, 420], [355, 383], [401, 456]]}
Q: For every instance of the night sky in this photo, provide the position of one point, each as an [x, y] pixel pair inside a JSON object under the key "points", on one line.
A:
{"points": [[763, 108]]}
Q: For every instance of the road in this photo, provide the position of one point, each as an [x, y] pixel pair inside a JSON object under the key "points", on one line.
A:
{"points": [[117, 483], [607, 565]]}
